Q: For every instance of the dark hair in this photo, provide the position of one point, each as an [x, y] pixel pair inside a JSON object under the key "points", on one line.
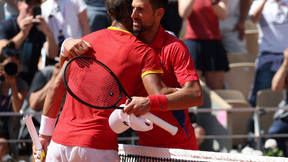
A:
{"points": [[119, 10], [29, 2], [156, 4], [9, 51]]}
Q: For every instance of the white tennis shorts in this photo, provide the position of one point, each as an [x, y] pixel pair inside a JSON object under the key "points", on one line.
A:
{"points": [[61, 153]]}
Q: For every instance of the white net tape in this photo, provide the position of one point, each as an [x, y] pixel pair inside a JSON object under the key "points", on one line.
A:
{"points": [[135, 153]]}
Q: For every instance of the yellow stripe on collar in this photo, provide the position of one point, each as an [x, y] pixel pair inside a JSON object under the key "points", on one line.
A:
{"points": [[115, 28]]}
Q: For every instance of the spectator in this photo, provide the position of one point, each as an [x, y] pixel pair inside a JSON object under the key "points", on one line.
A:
{"points": [[29, 34], [97, 15], [171, 20], [13, 92], [280, 124], [233, 27], [66, 18], [203, 38], [271, 17]]}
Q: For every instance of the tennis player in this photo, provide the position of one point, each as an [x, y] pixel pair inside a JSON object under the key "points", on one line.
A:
{"points": [[179, 72], [83, 133]]}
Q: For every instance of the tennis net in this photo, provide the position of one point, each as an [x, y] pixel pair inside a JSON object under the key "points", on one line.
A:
{"points": [[133, 153]]}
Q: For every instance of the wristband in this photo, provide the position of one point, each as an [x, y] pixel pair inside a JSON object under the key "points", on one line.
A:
{"points": [[215, 2], [47, 125], [62, 49], [158, 102]]}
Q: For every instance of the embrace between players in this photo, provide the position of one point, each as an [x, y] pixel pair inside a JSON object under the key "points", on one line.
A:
{"points": [[149, 68]]}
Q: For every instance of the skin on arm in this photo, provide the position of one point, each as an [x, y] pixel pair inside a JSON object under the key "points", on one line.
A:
{"points": [[257, 13], [220, 9], [185, 8], [84, 22], [17, 97], [189, 95], [240, 26], [50, 45], [279, 79], [37, 98], [52, 105]]}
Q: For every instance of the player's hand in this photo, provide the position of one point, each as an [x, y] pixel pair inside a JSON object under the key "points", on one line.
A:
{"points": [[76, 47], [45, 140], [138, 106]]}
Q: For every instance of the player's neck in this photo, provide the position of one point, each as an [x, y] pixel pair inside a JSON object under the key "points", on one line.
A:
{"points": [[148, 35], [122, 26]]}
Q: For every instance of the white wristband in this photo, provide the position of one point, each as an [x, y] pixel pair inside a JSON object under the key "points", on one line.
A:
{"points": [[62, 48], [47, 125]]}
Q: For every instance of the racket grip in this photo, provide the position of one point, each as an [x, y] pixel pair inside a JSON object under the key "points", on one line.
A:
{"points": [[161, 123], [34, 136]]}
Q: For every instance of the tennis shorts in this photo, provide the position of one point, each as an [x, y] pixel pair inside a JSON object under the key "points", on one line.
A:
{"points": [[57, 152]]}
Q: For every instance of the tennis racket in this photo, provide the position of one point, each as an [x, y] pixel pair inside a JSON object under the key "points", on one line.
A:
{"points": [[93, 84], [34, 136]]}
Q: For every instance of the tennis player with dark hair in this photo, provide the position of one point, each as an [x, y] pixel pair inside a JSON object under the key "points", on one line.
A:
{"points": [[83, 133], [179, 72]]}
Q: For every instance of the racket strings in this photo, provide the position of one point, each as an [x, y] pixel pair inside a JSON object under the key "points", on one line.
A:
{"points": [[90, 82]]}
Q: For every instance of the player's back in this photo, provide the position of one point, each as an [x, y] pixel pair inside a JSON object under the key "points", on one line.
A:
{"points": [[128, 58]]}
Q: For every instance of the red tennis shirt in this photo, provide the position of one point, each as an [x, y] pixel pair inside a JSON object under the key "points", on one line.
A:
{"points": [[178, 68], [128, 58]]}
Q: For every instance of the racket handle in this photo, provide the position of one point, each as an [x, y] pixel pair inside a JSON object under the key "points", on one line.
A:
{"points": [[34, 136], [161, 123]]}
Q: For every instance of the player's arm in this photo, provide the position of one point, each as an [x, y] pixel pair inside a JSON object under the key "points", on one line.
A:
{"points": [[188, 96], [73, 47], [51, 108]]}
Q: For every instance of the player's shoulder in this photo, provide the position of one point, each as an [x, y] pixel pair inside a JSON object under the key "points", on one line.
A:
{"points": [[170, 40]]}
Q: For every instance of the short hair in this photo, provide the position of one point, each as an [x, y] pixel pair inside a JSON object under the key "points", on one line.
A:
{"points": [[31, 1], [119, 10], [9, 51], [156, 4]]}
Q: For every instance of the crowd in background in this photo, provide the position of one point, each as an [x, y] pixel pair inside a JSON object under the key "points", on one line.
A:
{"points": [[212, 29]]}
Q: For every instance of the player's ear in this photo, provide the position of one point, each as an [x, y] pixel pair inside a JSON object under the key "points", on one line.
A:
{"points": [[160, 12]]}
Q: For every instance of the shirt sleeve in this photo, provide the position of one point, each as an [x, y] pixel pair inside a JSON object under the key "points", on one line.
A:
{"points": [[182, 63], [150, 63]]}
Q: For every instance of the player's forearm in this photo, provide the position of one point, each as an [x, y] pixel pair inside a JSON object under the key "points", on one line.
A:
{"points": [[189, 96], [54, 97]]}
